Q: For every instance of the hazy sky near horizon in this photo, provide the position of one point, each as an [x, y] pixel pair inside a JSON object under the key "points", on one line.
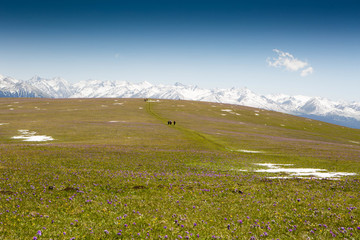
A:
{"points": [[307, 47]]}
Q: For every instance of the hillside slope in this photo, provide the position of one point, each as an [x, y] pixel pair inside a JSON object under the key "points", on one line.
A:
{"points": [[200, 125], [115, 168]]}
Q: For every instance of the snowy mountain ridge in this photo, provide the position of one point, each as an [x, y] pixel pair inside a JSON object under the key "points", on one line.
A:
{"points": [[341, 113]]}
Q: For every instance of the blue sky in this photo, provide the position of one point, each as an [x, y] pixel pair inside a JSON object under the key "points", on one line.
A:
{"points": [[263, 45]]}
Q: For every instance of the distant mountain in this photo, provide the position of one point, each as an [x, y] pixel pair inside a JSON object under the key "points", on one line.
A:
{"points": [[341, 113], [11, 87], [55, 87]]}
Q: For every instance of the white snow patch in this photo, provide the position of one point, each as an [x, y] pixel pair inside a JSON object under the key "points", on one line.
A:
{"points": [[354, 142], [248, 151], [3, 124], [120, 103], [31, 137], [141, 108], [223, 114], [226, 110], [272, 165], [301, 172], [256, 114]]}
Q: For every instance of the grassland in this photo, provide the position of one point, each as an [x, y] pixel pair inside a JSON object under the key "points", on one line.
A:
{"points": [[116, 170]]}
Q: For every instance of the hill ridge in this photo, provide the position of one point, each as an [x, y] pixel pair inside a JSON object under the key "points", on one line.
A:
{"points": [[341, 113]]}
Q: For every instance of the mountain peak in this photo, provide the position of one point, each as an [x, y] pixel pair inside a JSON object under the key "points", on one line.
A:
{"points": [[178, 84], [36, 78]]}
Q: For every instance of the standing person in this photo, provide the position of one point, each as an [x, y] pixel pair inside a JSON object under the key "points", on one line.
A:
{"points": [[174, 123]]}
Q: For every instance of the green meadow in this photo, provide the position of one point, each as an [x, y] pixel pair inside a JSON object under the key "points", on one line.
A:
{"points": [[115, 169]]}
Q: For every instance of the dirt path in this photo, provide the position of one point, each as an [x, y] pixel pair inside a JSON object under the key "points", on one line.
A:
{"points": [[192, 134]]}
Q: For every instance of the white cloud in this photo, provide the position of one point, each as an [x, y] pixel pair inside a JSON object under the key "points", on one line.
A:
{"points": [[290, 63], [307, 71]]}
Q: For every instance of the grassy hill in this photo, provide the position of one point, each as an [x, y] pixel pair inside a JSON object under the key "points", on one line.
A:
{"points": [[116, 169]]}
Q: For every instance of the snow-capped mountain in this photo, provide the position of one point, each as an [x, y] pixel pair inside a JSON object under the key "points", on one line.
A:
{"points": [[103, 89], [55, 87], [11, 87], [342, 113]]}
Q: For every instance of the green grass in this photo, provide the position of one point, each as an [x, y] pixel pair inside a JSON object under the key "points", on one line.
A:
{"points": [[118, 171]]}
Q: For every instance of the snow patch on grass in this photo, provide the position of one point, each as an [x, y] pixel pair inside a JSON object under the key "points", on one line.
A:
{"points": [[28, 136], [230, 111], [272, 165], [248, 151], [301, 172]]}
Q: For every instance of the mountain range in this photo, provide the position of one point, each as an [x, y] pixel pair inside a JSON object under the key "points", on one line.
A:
{"points": [[318, 108]]}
